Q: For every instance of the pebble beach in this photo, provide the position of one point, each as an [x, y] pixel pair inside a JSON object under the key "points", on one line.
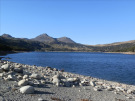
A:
{"points": [[21, 82]]}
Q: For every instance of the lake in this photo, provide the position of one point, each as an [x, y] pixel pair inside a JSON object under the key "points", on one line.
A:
{"points": [[108, 66]]}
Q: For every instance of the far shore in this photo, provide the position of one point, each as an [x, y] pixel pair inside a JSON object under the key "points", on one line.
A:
{"points": [[132, 53], [3, 53]]}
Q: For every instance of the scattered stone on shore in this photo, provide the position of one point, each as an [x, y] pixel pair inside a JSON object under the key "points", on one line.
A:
{"points": [[27, 77]]}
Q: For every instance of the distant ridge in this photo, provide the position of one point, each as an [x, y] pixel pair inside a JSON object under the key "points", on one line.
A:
{"points": [[47, 39]]}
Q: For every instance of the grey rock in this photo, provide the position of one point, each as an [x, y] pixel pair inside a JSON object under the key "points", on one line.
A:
{"points": [[1, 70], [35, 76], [18, 70], [5, 67], [27, 89]]}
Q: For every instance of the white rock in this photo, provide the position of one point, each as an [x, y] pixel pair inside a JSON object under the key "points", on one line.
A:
{"points": [[42, 81], [25, 76], [97, 89], [92, 83], [120, 89], [5, 67], [23, 82], [109, 88], [27, 89], [10, 77], [56, 81], [40, 99], [1, 74], [130, 91], [71, 79], [84, 83], [35, 76]]}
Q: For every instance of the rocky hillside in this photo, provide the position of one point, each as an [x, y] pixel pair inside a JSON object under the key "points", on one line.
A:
{"points": [[65, 39], [45, 42]]}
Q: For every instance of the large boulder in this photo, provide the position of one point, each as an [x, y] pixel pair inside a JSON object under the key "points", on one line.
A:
{"points": [[56, 80], [5, 67], [27, 89]]}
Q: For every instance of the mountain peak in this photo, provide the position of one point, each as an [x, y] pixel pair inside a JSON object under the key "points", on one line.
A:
{"points": [[44, 34], [6, 36], [44, 38]]}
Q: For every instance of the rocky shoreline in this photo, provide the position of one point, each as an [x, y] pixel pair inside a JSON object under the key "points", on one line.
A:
{"points": [[20, 82]]}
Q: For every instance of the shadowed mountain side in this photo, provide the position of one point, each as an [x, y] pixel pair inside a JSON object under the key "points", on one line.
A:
{"points": [[65, 39], [44, 42]]}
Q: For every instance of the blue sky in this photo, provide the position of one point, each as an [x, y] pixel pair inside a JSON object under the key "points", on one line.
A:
{"points": [[85, 21]]}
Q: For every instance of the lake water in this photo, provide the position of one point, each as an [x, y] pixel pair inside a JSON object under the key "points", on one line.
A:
{"points": [[113, 67]]}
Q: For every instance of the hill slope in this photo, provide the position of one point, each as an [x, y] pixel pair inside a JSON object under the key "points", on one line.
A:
{"points": [[44, 42]]}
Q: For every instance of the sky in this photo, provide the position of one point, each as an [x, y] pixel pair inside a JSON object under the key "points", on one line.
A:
{"points": [[88, 22]]}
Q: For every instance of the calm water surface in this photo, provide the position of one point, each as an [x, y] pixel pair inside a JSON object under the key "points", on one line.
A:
{"points": [[114, 67]]}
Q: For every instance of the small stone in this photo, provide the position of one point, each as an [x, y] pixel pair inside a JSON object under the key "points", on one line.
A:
{"points": [[73, 86], [92, 83], [10, 77], [25, 76], [27, 89], [35, 76], [42, 81], [40, 99], [23, 82], [97, 88], [71, 79], [1, 74]]}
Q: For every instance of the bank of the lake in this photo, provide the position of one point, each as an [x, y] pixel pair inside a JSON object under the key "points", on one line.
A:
{"points": [[50, 84]]}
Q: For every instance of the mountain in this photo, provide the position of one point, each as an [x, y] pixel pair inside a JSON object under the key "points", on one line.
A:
{"points": [[65, 40], [6, 36], [126, 46], [44, 42], [47, 39], [44, 38]]}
